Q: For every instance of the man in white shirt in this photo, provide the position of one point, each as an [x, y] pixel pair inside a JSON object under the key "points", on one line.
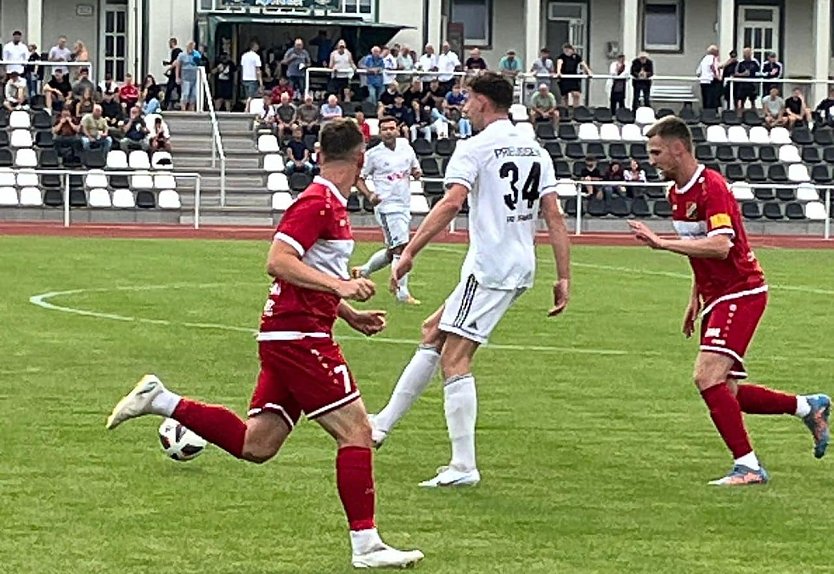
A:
{"points": [[506, 177], [447, 63], [428, 63], [14, 92], [709, 76], [60, 53], [250, 72], [16, 51], [390, 166], [389, 61]]}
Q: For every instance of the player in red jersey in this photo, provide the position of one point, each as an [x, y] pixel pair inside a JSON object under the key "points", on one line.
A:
{"points": [[302, 368], [729, 293]]}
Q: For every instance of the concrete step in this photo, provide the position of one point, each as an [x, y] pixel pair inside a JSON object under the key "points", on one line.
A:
{"points": [[240, 163]]}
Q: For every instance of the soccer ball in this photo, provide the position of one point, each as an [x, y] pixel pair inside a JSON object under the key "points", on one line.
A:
{"points": [[178, 442]]}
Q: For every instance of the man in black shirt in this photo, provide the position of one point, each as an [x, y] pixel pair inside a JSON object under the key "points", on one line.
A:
{"points": [[57, 90], [772, 70], [414, 92], [825, 110], [728, 70], [434, 95], [298, 156], [748, 67], [402, 113], [796, 112], [170, 72], [386, 100], [135, 132], [591, 173], [642, 70], [474, 62]]}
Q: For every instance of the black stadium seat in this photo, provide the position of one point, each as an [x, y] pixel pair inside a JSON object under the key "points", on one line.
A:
{"points": [[42, 120], [94, 158], [299, 182], [618, 207], [4, 118], [77, 198], [772, 210], [734, 172], [811, 154], [119, 182], [145, 199], [597, 208], [574, 151], [618, 151], [698, 135], [640, 208], [802, 136], [765, 193], [445, 147], [4, 138], [662, 208], [638, 151], [785, 194], [44, 139], [561, 168], [768, 153], [730, 118], [689, 116], [602, 115], [625, 116], [828, 154], [704, 152], [747, 153], [567, 132], [576, 170], [824, 136], [710, 117], [751, 118], [583, 115], [655, 192], [544, 130], [48, 158], [664, 112], [353, 205], [53, 198], [597, 150], [433, 188], [422, 147], [429, 167], [794, 211], [570, 206], [755, 173], [751, 210], [6, 159], [821, 174], [724, 152], [51, 181], [777, 173], [554, 148]]}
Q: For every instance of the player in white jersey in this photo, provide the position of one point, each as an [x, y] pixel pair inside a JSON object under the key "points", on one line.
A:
{"points": [[390, 166], [507, 177]]}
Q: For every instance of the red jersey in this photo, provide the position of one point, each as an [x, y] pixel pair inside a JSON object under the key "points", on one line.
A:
{"points": [[129, 93], [279, 89], [704, 207], [318, 227]]}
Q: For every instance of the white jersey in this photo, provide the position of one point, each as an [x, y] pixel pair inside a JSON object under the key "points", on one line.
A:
{"points": [[506, 173], [390, 171]]}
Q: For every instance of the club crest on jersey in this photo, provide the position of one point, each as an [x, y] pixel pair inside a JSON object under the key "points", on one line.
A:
{"points": [[691, 210]]}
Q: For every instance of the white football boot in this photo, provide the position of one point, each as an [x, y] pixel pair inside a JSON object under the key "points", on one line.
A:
{"points": [[137, 402], [377, 436], [383, 556], [451, 477]]}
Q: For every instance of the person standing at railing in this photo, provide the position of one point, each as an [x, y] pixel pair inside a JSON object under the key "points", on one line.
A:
{"points": [[187, 78], [16, 51], [34, 72], [390, 64], [428, 62], [569, 63], [544, 70], [616, 87], [170, 71], [343, 66], [708, 73], [509, 66], [642, 70], [324, 47], [447, 63], [772, 70], [747, 68], [373, 65], [728, 70], [475, 63], [297, 59], [60, 53], [406, 63]]}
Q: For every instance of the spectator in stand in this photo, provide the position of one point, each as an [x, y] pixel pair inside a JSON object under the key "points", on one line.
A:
{"points": [[314, 157], [728, 70], [428, 63], [544, 69], [772, 70], [134, 132], [402, 113], [343, 66], [171, 73], [324, 47], [796, 111], [569, 63], [150, 89], [15, 91], [250, 72], [34, 72], [224, 82], [351, 96], [616, 87], [373, 66], [308, 116], [160, 139], [474, 63], [107, 85], [447, 64], [422, 121], [634, 174], [151, 105], [82, 85], [111, 109], [591, 173], [509, 66], [364, 127], [747, 68], [824, 111], [65, 134], [129, 92], [186, 78], [405, 63], [543, 106], [433, 95], [774, 108], [94, 131], [16, 51], [709, 74], [80, 54], [297, 59], [60, 53], [455, 99], [642, 71], [85, 105], [298, 156], [390, 65], [414, 92], [284, 87], [266, 118], [285, 117], [57, 90], [386, 100], [440, 123], [613, 173], [331, 109]]}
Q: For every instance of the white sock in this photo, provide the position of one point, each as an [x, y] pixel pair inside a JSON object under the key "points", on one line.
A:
{"points": [[378, 260], [461, 406], [165, 403], [413, 381], [803, 407], [402, 286], [362, 541], [749, 460]]}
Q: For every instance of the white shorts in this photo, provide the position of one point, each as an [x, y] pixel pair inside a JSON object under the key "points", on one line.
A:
{"points": [[396, 227], [472, 311]]}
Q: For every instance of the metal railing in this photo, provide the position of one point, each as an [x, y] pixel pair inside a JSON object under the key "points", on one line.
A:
{"points": [[204, 97], [362, 71], [50, 66]]}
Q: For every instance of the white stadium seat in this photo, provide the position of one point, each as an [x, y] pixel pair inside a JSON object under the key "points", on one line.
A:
{"points": [[419, 205], [588, 133], [789, 154], [268, 143], [273, 162], [806, 191], [644, 116], [798, 172], [138, 159], [150, 120], [27, 178], [277, 182], [609, 133], [7, 178], [19, 120], [632, 133], [645, 130], [99, 197], [415, 187], [116, 159], [95, 179], [815, 210], [779, 136], [123, 199], [21, 138], [566, 189], [164, 181], [373, 126], [281, 201], [742, 191], [759, 135], [737, 135], [169, 199], [526, 129], [519, 113], [716, 134], [26, 157], [8, 196], [162, 160], [256, 106], [31, 197], [143, 181]]}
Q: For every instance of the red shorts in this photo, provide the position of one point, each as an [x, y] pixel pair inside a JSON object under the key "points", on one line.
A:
{"points": [[306, 376], [729, 326]]}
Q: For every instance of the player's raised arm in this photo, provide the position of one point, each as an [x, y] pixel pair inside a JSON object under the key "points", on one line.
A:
{"points": [[560, 243]]}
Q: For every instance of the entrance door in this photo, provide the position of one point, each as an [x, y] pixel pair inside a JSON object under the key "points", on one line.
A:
{"points": [[758, 28], [567, 23], [113, 55]]}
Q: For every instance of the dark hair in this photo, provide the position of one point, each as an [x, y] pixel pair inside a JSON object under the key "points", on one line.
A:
{"points": [[340, 138], [386, 119], [495, 88], [672, 127]]}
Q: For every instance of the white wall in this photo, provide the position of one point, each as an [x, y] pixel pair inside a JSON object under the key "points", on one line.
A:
{"points": [[405, 14], [168, 19], [604, 27], [507, 32], [12, 17], [799, 36]]}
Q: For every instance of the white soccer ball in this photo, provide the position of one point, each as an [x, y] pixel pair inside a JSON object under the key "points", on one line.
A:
{"points": [[178, 442]]}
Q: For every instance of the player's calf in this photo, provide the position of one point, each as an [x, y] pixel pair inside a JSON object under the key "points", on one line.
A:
{"points": [[265, 435]]}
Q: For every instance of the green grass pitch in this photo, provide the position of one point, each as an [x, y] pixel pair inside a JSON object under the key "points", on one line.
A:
{"points": [[593, 444]]}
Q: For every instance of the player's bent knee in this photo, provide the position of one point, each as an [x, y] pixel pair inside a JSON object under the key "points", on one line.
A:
{"points": [[265, 434]]}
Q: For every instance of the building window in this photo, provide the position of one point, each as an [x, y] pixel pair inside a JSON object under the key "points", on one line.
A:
{"points": [[663, 26], [475, 16]]}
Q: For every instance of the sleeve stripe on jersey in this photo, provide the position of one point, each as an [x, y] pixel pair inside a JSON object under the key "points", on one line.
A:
{"points": [[722, 231], [290, 241], [459, 180]]}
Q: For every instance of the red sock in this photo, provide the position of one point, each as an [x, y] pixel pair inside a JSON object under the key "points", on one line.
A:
{"points": [[726, 415], [355, 480], [757, 400], [215, 423]]}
